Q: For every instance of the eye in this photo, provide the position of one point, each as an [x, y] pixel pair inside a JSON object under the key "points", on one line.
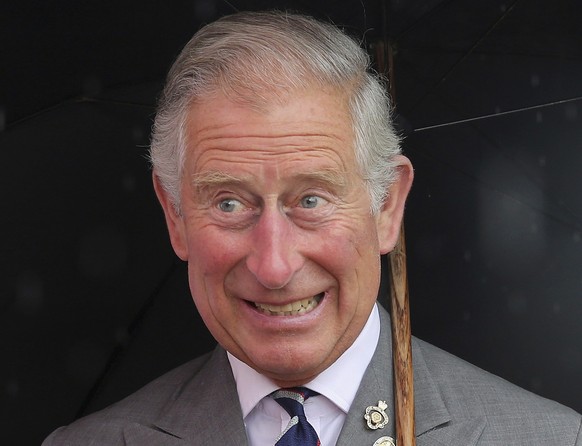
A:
{"points": [[229, 205], [311, 201]]}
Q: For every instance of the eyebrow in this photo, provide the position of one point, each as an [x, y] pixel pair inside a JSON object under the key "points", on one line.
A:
{"points": [[214, 177], [331, 177]]}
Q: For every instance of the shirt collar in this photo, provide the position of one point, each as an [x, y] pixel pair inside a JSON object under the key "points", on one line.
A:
{"points": [[339, 382]]}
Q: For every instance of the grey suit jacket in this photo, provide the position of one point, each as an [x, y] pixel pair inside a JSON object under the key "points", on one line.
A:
{"points": [[457, 404]]}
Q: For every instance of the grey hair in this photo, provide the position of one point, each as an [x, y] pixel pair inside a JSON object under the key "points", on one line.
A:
{"points": [[259, 57]]}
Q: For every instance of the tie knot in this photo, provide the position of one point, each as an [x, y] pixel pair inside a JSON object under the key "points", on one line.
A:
{"points": [[299, 394], [292, 399]]}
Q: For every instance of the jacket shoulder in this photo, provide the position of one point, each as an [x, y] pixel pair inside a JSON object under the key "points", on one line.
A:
{"points": [[105, 427], [511, 412]]}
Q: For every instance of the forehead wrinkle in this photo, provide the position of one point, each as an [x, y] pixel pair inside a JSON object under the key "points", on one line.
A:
{"points": [[274, 129], [255, 140], [278, 155]]}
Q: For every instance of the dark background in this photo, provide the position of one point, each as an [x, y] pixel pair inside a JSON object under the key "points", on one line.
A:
{"points": [[93, 302]]}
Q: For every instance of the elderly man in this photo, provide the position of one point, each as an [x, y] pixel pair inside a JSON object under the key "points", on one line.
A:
{"points": [[282, 183]]}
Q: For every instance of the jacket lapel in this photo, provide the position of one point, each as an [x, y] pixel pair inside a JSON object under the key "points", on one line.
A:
{"points": [[434, 424], [376, 386], [204, 411], [432, 419]]}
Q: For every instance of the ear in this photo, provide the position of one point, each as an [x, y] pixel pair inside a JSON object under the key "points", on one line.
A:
{"points": [[389, 217], [174, 221]]}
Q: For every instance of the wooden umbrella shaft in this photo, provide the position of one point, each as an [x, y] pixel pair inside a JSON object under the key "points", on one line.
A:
{"points": [[401, 330], [402, 346]]}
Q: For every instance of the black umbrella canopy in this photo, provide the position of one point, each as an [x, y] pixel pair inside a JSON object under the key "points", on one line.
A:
{"points": [[94, 303], [491, 97]]}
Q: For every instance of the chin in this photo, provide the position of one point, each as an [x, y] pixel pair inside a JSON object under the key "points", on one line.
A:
{"points": [[286, 366]]}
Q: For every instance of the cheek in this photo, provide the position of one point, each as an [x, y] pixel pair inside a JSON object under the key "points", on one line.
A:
{"points": [[351, 252], [358, 239], [212, 258], [213, 252]]}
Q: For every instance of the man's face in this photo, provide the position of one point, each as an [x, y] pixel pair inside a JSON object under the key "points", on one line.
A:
{"points": [[282, 250]]}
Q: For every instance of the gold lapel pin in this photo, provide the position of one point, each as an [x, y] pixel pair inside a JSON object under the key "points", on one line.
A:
{"points": [[376, 417], [384, 441]]}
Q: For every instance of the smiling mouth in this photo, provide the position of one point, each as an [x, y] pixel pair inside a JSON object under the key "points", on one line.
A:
{"points": [[293, 309]]}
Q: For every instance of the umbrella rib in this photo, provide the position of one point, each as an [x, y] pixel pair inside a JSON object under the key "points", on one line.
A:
{"points": [[75, 100], [114, 102], [121, 347], [229, 4], [467, 53], [497, 114]]}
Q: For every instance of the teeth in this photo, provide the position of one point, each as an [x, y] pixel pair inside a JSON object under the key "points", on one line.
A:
{"points": [[298, 307]]}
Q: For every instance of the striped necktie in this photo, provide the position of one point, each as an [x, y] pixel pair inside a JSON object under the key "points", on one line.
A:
{"points": [[298, 432]]}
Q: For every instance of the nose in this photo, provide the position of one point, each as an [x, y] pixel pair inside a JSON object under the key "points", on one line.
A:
{"points": [[274, 257]]}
